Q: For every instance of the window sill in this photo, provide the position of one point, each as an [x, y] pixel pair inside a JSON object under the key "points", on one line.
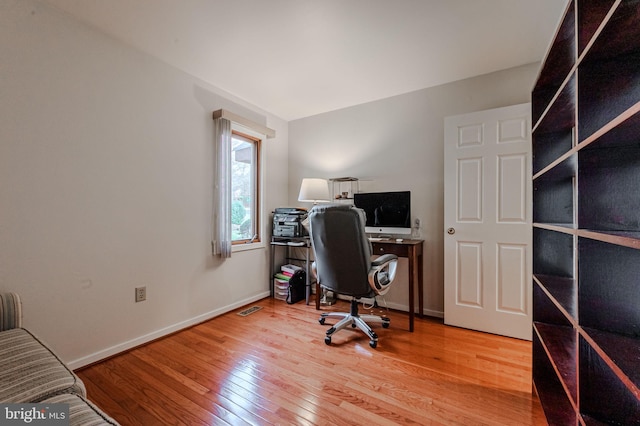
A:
{"points": [[247, 246]]}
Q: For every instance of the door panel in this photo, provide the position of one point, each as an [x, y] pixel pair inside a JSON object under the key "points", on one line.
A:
{"points": [[488, 221], [469, 274], [512, 188], [470, 135], [470, 190], [512, 262]]}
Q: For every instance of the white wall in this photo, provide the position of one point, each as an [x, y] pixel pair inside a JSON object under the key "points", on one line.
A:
{"points": [[397, 144], [105, 185]]}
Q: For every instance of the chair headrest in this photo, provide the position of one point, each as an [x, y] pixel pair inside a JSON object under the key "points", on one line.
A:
{"points": [[324, 207]]}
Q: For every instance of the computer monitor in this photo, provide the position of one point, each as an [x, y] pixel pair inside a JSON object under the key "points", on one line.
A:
{"points": [[387, 212]]}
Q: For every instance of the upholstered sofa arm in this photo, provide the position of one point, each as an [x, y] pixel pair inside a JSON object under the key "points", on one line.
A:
{"points": [[10, 311]]}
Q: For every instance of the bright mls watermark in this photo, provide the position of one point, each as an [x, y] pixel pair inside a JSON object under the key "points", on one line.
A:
{"points": [[34, 414]]}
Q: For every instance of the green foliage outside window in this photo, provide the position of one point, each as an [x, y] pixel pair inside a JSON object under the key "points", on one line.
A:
{"points": [[238, 212]]}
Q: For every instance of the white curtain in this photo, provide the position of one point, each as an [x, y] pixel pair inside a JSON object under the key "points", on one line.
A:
{"points": [[221, 239]]}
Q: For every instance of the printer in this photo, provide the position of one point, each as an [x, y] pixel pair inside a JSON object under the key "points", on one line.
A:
{"points": [[287, 222]]}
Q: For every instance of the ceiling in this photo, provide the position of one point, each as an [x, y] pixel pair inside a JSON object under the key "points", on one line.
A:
{"points": [[297, 58]]}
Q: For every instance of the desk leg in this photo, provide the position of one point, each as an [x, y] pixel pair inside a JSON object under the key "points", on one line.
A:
{"points": [[412, 266]]}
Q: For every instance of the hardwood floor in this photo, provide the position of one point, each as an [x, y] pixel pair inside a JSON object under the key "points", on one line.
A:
{"points": [[273, 367]]}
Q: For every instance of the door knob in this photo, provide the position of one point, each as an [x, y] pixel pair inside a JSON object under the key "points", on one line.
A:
{"points": [[451, 231]]}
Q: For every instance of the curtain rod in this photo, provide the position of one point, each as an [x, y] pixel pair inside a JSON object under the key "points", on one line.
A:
{"points": [[238, 119]]}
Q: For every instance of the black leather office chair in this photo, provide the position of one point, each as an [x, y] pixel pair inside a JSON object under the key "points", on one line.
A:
{"points": [[343, 265]]}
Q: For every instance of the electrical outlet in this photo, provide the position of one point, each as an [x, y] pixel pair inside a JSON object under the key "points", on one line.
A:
{"points": [[417, 223], [141, 294]]}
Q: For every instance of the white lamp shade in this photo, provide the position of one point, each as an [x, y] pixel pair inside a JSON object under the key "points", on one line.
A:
{"points": [[314, 190]]}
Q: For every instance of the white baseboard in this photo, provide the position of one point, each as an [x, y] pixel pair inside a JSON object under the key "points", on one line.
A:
{"points": [[399, 307], [405, 308], [114, 350], [432, 313]]}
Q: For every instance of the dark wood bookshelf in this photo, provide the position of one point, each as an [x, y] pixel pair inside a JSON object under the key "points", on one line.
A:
{"points": [[564, 228], [607, 176], [620, 352], [618, 34], [555, 402], [547, 310], [562, 167], [602, 398], [562, 291], [609, 296], [586, 231], [559, 60], [622, 238], [618, 132], [554, 201], [560, 344], [591, 15], [608, 87], [553, 253]]}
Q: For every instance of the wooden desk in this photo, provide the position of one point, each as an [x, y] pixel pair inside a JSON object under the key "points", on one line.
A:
{"points": [[412, 250]]}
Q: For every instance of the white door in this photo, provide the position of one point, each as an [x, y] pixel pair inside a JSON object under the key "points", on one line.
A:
{"points": [[487, 219]]}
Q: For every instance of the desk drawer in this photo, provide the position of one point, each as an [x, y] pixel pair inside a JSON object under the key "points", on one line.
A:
{"points": [[399, 250]]}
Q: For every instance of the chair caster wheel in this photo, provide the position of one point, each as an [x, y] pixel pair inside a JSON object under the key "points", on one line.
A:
{"points": [[372, 343], [321, 320], [385, 324], [353, 326], [327, 340]]}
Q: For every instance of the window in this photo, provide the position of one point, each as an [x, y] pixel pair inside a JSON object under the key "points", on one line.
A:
{"points": [[236, 182], [245, 188]]}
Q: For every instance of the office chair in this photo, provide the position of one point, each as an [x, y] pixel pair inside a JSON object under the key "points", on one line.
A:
{"points": [[343, 265]]}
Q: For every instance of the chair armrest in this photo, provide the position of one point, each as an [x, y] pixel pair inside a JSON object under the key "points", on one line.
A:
{"points": [[10, 311], [380, 260], [382, 273]]}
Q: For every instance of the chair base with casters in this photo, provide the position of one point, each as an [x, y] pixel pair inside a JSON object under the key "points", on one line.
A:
{"points": [[354, 320]]}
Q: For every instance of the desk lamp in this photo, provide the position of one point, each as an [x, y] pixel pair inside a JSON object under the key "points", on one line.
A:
{"points": [[314, 190]]}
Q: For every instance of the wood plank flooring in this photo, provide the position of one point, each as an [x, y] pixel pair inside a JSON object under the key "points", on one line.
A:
{"points": [[273, 367]]}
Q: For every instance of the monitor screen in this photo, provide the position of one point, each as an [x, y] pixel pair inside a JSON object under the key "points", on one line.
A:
{"points": [[387, 212]]}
